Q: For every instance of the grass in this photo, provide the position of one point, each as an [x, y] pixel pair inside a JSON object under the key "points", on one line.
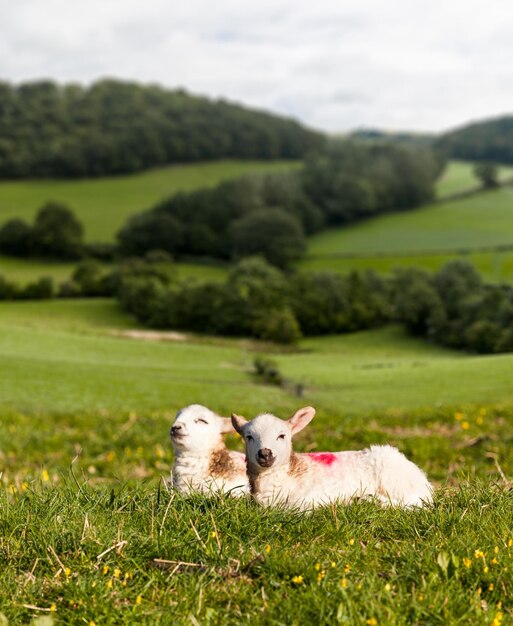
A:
{"points": [[84, 511], [84, 456], [496, 267], [23, 271], [69, 352], [104, 204], [485, 219], [459, 176]]}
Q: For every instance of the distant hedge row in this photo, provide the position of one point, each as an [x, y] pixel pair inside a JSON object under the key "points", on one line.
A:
{"points": [[271, 214], [48, 130], [452, 307]]}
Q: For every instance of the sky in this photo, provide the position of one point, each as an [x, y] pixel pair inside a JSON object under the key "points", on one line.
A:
{"points": [[335, 65]]}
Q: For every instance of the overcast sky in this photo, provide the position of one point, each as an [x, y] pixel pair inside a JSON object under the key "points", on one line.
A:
{"points": [[333, 64]]}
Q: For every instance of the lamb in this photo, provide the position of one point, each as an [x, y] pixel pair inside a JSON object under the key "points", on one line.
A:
{"points": [[202, 461], [278, 475]]}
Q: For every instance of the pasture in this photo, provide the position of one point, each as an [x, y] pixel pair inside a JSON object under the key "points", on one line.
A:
{"points": [[104, 204], [91, 534], [84, 454], [474, 228], [459, 176]]}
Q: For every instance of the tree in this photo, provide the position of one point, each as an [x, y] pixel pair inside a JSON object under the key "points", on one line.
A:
{"points": [[273, 233], [16, 238], [154, 230], [488, 174], [57, 232]]}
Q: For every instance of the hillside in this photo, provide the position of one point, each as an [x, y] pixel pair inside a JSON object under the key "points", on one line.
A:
{"points": [[489, 140], [104, 204], [112, 127]]}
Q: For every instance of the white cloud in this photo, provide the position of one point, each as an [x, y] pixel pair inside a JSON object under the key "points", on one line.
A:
{"points": [[334, 65]]}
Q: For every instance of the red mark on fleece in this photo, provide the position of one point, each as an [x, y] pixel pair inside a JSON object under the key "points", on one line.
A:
{"points": [[326, 458]]}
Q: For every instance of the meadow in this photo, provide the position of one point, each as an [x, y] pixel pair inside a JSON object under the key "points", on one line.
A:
{"points": [[91, 534], [85, 510]]}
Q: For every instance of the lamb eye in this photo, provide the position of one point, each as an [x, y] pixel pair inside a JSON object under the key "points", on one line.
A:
{"points": [[249, 438], [201, 420], [282, 436]]}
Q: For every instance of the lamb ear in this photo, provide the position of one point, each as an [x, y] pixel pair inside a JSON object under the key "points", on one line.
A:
{"points": [[301, 418], [239, 422], [226, 425]]}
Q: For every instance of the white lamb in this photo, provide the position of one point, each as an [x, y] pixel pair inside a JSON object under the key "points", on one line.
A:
{"points": [[278, 475], [202, 460]]}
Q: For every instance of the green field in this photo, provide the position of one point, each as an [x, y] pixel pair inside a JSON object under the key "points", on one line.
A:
{"points": [[459, 176], [485, 219], [84, 510], [23, 271], [104, 204], [62, 355], [496, 267], [84, 458]]}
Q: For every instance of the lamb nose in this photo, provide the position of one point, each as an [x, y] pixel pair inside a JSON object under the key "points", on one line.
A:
{"points": [[265, 453], [175, 429]]}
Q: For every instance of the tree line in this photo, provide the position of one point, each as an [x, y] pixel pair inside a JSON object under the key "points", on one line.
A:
{"points": [[113, 127], [453, 307], [491, 140], [271, 214]]}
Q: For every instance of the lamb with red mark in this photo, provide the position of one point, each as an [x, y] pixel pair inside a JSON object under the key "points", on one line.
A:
{"points": [[279, 476]]}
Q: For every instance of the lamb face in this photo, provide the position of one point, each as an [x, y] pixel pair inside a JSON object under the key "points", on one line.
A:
{"points": [[198, 430], [269, 439]]}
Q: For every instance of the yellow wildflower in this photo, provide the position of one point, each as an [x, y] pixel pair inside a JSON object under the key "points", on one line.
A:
{"points": [[92, 623], [159, 451], [297, 580], [465, 425], [105, 569], [459, 416], [138, 600], [496, 549], [347, 568], [351, 542], [110, 456], [388, 587], [213, 534], [510, 543], [317, 567], [13, 489], [45, 476], [467, 562], [420, 597], [497, 620], [494, 561], [343, 583], [108, 584], [333, 564], [490, 587], [24, 486], [267, 548], [53, 607], [67, 572], [486, 569], [479, 420], [372, 621], [320, 576], [116, 573], [478, 554]]}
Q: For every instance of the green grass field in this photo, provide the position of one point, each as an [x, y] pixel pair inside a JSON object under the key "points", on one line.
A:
{"points": [[84, 512], [459, 176], [485, 219], [84, 456], [104, 204], [23, 271]]}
